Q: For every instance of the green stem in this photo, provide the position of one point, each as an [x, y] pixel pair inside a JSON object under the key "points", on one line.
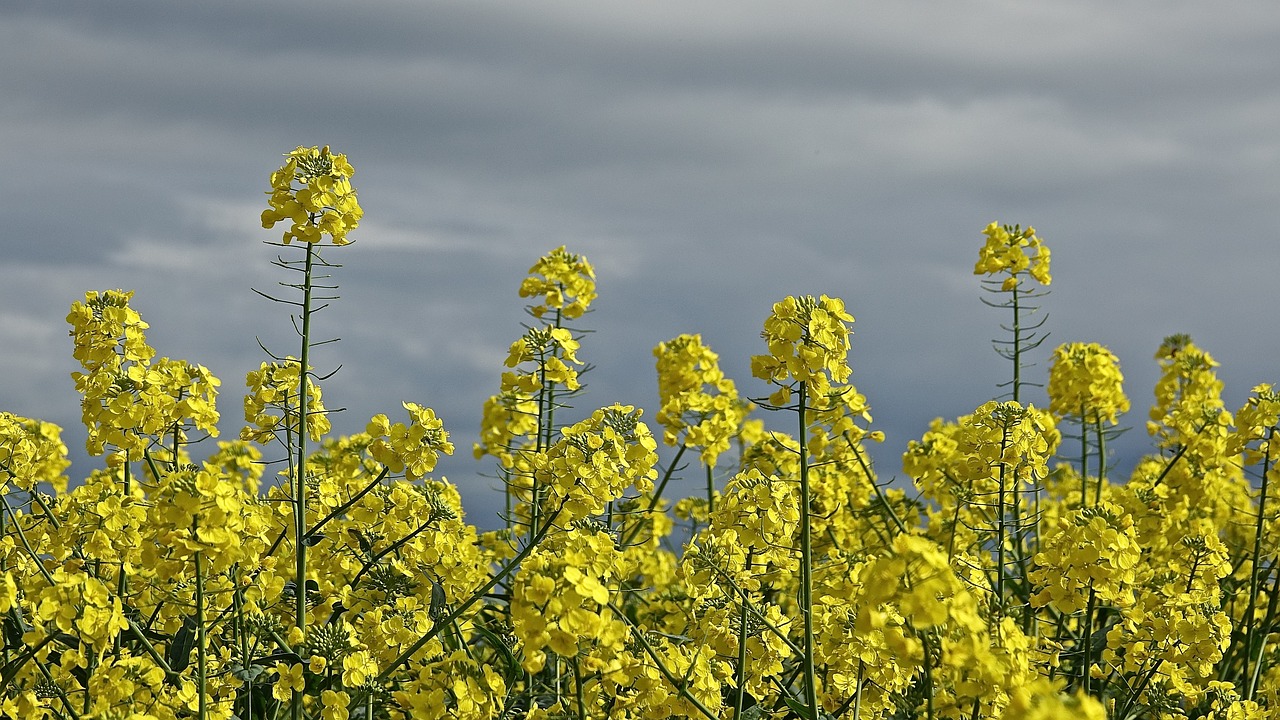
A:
{"points": [[1017, 347], [711, 491], [201, 658], [577, 685], [998, 606], [806, 560], [1102, 457], [741, 671], [1084, 460], [122, 580], [300, 466], [1254, 570], [1087, 660]]}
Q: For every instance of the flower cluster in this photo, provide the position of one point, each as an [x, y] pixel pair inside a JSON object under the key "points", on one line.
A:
{"points": [[564, 282], [1006, 251], [1085, 383], [312, 190], [412, 449], [561, 600], [700, 407], [596, 461], [272, 406], [1094, 551], [31, 453], [128, 397], [542, 364], [808, 342]]}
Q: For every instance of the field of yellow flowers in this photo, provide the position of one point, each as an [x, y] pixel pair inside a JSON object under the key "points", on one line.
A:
{"points": [[295, 574]]}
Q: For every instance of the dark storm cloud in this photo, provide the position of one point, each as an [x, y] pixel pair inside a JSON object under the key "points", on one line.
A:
{"points": [[708, 158]]}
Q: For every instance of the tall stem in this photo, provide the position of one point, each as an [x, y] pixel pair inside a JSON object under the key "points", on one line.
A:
{"points": [[300, 467], [998, 608], [1084, 459], [740, 673], [1017, 348], [806, 560], [1102, 457], [201, 658], [1249, 620], [711, 491]]}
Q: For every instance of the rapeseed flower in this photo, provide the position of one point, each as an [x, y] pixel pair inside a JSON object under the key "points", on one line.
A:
{"points": [[1085, 383], [1006, 251], [312, 190]]}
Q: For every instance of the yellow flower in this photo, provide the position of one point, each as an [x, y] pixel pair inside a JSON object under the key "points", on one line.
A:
{"points": [[289, 680], [412, 449], [808, 342], [1095, 548], [334, 705], [566, 283], [31, 452], [312, 190], [357, 668], [271, 406], [698, 401], [1085, 383], [1005, 251]]}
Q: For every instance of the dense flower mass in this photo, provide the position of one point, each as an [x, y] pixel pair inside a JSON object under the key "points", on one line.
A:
{"points": [[700, 407], [1085, 382], [1004, 580], [563, 282], [313, 192], [1013, 250], [808, 341]]}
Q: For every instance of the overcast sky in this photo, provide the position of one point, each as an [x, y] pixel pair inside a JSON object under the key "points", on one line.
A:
{"points": [[709, 158]]}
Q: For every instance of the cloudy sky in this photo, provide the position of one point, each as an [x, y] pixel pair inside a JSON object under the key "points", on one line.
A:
{"points": [[709, 158]]}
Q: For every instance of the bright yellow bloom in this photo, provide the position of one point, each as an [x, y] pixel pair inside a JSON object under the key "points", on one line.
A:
{"points": [[697, 399], [31, 452], [1094, 549], [1044, 700], [565, 282], [334, 704], [289, 680], [271, 406], [312, 190], [1006, 252], [808, 342], [596, 461], [1085, 383], [412, 449]]}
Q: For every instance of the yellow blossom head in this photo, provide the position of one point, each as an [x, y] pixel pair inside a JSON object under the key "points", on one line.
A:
{"points": [[566, 283], [1007, 251], [312, 190], [1085, 382], [808, 342]]}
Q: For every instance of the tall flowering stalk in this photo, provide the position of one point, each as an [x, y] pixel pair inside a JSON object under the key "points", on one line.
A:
{"points": [[1086, 386], [699, 407], [808, 341], [1011, 258], [519, 422], [312, 191]]}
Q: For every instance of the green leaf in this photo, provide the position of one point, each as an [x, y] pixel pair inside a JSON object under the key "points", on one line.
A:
{"points": [[799, 708]]}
